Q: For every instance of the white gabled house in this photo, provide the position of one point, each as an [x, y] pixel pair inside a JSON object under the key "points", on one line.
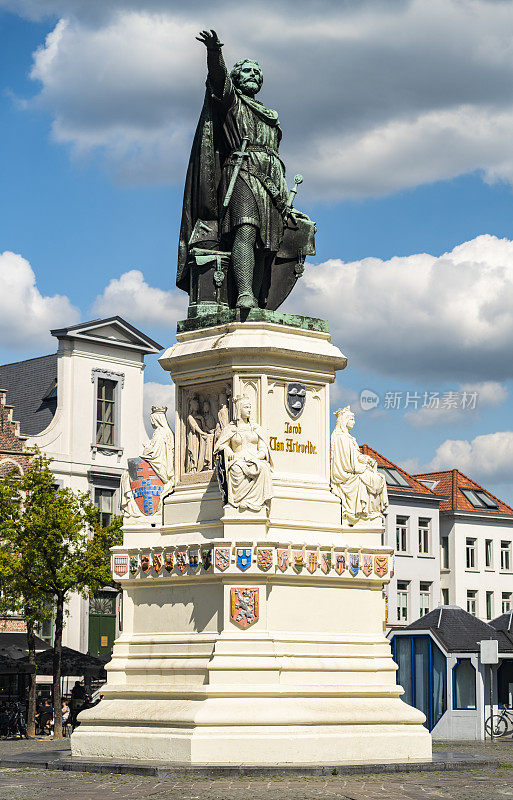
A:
{"points": [[83, 407]]}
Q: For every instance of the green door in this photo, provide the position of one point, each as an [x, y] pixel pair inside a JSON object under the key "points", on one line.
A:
{"points": [[102, 623]]}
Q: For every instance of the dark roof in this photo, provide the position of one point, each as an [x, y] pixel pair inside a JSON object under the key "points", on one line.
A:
{"points": [[458, 631], [414, 486], [450, 483], [504, 622], [27, 384]]}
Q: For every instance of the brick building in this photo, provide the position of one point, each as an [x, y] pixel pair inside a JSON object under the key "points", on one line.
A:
{"points": [[13, 454]]}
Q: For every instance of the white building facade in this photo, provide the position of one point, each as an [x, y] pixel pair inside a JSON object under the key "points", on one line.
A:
{"points": [[412, 529], [476, 545], [91, 409]]}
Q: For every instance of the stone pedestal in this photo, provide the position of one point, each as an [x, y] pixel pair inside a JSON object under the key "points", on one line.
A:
{"points": [[262, 642]]}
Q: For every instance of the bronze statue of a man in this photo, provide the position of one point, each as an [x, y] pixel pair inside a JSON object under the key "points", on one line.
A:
{"points": [[236, 199]]}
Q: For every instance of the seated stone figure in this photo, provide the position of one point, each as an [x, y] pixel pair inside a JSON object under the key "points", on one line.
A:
{"points": [[247, 460], [354, 476]]}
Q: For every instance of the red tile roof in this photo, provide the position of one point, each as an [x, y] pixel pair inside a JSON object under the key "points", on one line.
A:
{"points": [[451, 481], [414, 484]]}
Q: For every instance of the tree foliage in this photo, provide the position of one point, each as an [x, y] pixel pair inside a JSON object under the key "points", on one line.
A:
{"points": [[51, 543]]}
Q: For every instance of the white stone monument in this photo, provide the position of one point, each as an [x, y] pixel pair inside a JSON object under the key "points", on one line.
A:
{"points": [[253, 610]]}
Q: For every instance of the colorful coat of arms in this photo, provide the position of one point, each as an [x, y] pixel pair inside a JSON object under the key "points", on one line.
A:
{"points": [[283, 557], [169, 562], [145, 563], [120, 565], [299, 560], [381, 565], [311, 562], [194, 560], [134, 564], [243, 558], [222, 558], [340, 563], [354, 563], [366, 564], [206, 558], [157, 562], [325, 562], [265, 558], [145, 484], [244, 606], [181, 561]]}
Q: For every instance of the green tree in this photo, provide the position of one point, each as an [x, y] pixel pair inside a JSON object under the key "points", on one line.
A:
{"points": [[52, 541]]}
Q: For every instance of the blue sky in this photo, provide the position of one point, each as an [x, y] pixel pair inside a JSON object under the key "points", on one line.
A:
{"points": [[403, 130]]}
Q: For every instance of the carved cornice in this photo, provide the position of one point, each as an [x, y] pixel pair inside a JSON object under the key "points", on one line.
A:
{"points": [[98, 372]]}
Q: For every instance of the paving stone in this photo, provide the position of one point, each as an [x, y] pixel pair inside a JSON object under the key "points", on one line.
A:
{"points": [[32, 783]]}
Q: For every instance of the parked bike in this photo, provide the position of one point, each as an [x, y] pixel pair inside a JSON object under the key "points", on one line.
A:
{"points": [[502, 723]]}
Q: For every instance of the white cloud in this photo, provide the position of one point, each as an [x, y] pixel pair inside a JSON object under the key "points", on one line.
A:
{"points": [[421, 316], [469, 399], [26, 315], [487, 458], [131, 297], [158, 394], [373, 96]]}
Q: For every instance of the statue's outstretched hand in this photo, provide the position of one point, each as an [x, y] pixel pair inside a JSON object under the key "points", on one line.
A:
{"points": [[210, 39]]}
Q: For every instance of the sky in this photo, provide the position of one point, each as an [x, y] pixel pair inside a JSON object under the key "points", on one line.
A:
{"points": [[399, 114]]}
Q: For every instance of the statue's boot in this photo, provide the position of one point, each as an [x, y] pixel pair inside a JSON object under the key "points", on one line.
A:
{"points": [[244, 276], [246, 300]]}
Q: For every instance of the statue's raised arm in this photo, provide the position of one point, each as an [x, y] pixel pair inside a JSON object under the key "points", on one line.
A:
{"points": [[240, 244]]}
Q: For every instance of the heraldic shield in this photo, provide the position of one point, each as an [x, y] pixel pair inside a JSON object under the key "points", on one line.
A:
{"points": [[295, 399], [145, 484], [244, 604]]}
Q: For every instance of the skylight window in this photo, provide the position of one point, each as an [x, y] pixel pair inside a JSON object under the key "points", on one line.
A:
{"points": [[393, 477], [479, 499], [430, 484]]}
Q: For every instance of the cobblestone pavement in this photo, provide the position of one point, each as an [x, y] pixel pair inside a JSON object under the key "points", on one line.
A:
{"points": [[38, 784]]}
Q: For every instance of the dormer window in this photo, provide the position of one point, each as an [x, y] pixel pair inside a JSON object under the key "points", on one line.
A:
{"points": [[105, 411]]}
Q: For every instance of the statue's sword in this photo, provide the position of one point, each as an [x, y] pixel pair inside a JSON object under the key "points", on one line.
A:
{"points": [[292, 196], [241, 155]]}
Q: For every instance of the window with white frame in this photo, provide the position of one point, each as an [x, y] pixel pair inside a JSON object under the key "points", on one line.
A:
{"points": [[470, 553], [444, 595], [472, 601], [107, 402], [506, 555], [444, 552], [506, 602], [424, 528], [488, 553], [402, 601], [401, 534], [103, 500], [489, 605], [424, 598]]}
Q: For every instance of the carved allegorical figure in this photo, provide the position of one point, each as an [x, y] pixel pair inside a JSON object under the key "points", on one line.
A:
{"points": [[151, 476], [354, 476], [196, 438], [237, 210], [247, 460]]}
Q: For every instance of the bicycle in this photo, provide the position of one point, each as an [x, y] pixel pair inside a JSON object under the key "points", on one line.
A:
{"points": [[502, 723]]}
